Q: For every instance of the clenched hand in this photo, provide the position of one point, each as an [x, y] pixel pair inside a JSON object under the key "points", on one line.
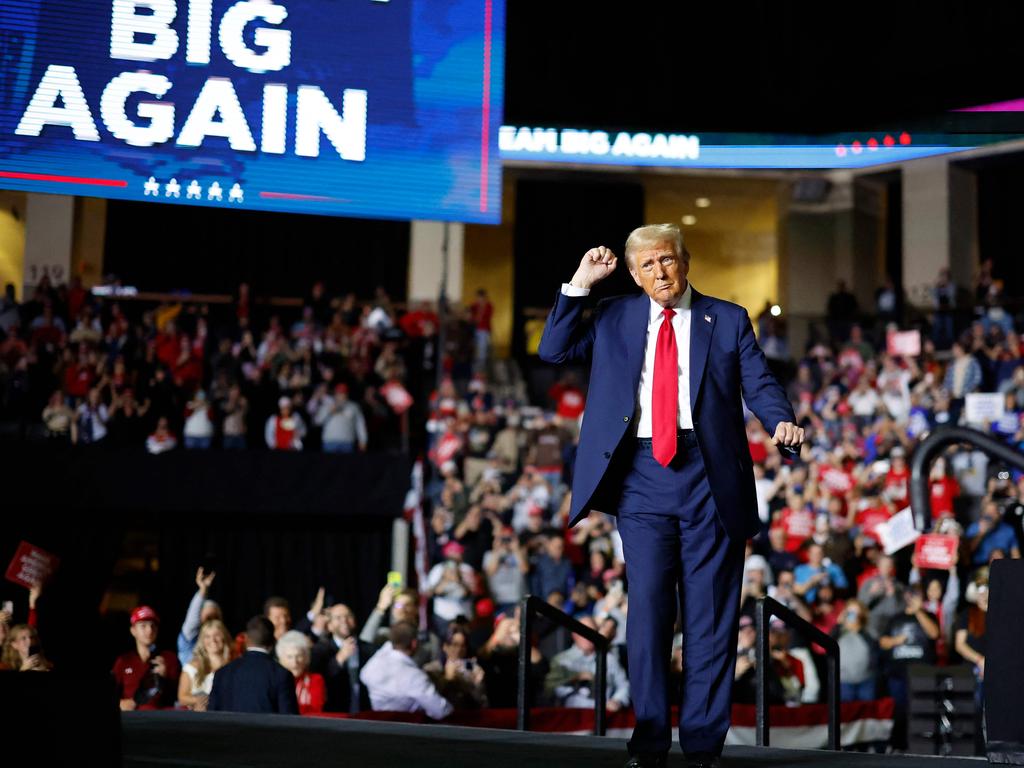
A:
{"points": [[596, 265], [789, 434]]}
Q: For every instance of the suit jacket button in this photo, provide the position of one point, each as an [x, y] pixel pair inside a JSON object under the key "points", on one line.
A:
{"points": [[625, 418], [607, 454]]}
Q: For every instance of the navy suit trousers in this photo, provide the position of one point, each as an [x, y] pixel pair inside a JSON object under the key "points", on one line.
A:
{"points": [[672, 539]]}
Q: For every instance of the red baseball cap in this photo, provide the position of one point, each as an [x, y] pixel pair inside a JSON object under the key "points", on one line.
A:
{"points": [[452, 548], [144, 613], [341, 387]]}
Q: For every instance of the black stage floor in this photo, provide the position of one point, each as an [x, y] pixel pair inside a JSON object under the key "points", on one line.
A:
{"points": [[222, 740]]}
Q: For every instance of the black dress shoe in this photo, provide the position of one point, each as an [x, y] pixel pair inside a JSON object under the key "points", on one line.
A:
{"points": [[647, 761]]}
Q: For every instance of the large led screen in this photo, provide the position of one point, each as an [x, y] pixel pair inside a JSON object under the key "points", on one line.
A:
{"points": [[379, 108]]}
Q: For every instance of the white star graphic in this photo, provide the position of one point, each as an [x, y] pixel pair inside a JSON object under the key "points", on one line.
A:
{"points": [[214, 192], [236, 195], [194, 191], [172, 188], [150, 187]]}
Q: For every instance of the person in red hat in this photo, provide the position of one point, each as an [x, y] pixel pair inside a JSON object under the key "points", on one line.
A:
{"points": [[451, 583], [146, 679]]}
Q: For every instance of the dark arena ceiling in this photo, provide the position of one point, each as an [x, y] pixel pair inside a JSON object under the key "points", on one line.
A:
{"points": [[760, 65]]}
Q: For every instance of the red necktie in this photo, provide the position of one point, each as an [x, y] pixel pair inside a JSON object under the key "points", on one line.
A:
{"points": [[665, 392]]}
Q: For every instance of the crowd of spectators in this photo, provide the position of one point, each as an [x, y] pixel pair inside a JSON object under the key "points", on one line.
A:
{"points": [[496, 505], [330, 373]]}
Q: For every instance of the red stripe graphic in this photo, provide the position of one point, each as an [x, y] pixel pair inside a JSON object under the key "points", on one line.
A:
{"points": [[62, 179]]}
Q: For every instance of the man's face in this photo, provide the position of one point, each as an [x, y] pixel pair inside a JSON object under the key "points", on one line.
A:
{"points": [[814, 555], [661, 272], [210, 611], [556, 547], [581, 642], [145, 632], [281, 618], [341, 622], [405, 609]]}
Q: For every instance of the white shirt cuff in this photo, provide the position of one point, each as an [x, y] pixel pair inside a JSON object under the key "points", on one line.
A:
{"points": [[572, 290]]}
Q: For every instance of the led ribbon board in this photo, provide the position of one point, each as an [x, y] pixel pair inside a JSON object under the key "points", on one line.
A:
{"points": [[574, 146], [379, 108]]}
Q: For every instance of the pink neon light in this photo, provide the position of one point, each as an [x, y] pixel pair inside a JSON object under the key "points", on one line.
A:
{"points": [[485, 138], [1013, 105]]}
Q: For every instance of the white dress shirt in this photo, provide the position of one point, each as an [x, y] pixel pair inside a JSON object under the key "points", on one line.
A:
{"points": [[395, 684], [681, 326]]}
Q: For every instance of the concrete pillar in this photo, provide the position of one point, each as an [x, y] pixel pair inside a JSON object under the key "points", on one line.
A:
{"points": [[963, 224], [425, 260], [89, 239], [939, 225], [49, 225]]}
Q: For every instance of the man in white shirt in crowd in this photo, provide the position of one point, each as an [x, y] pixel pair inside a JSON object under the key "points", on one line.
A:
{"points": [[396, 684]]}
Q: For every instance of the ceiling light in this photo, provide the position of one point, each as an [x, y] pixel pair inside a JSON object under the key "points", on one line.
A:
{"points": [[703, 202], [776, 310], [689, 220]]}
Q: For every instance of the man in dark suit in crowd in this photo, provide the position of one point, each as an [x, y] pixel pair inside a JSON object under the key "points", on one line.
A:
{"points": [[339, 656], [255, 682], [663, 446]]}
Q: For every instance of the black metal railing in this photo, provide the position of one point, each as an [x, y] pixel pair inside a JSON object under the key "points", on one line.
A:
{"points": [[532, 605], [766, 608], [935, 443]]}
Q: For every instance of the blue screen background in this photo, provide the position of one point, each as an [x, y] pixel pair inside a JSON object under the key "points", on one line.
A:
{"points": [[431, 135]]}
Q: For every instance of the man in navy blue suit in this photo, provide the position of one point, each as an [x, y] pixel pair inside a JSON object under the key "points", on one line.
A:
{"points": [[255, 682], [663, 446]]}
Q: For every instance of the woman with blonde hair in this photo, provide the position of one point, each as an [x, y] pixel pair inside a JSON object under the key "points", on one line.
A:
{"points": [[21, 651], [214, 649]]}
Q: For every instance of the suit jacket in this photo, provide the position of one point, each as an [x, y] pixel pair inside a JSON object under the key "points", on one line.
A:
{"points": [[725, 362], [336, 676], [254, 682]]}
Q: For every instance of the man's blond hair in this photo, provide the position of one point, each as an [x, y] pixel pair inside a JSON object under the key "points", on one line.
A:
{"points": [[651, 235]]}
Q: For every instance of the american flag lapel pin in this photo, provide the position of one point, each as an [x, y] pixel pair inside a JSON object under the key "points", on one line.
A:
{"points": [[707, 318]]}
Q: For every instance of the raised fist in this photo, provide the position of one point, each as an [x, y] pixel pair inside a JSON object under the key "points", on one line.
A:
{"points": [[596, 265]]}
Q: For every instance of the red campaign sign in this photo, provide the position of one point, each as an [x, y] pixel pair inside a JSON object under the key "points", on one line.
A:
{"points": [[936, 551], [397, 397], [31, 565]]}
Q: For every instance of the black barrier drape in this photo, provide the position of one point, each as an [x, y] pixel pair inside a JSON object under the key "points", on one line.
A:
{"points": [[263, 482], [269, 523]]}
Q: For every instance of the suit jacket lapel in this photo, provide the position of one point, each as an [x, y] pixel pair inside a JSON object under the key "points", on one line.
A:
{"points": [[637, 316], [702, 325]]}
